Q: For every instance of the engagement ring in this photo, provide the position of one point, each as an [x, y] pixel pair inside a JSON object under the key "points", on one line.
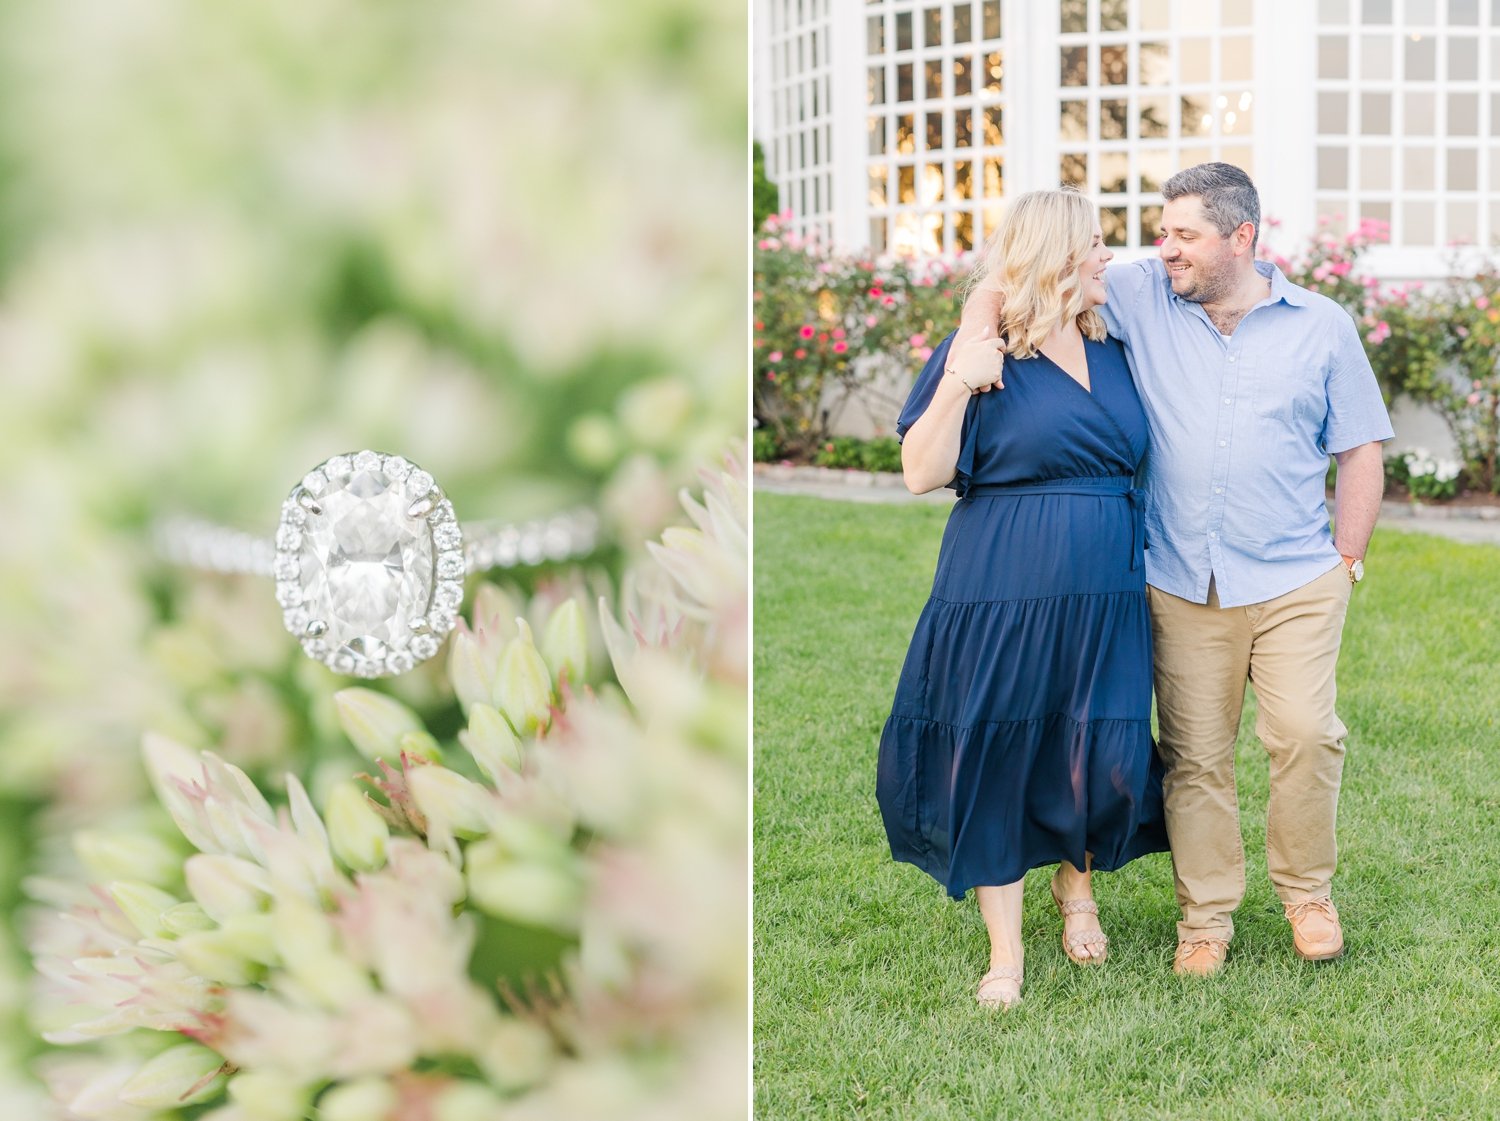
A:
{"points": [[370, 561]]}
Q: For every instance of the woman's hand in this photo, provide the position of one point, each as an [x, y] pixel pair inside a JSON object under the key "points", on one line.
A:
{"points": [[980, 364]]}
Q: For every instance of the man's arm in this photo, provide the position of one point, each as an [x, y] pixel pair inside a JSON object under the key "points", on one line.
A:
{"points": [[1356, 498], [981, 316]]}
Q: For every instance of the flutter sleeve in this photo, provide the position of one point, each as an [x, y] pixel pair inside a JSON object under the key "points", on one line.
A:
{"points": [[916, 404]]}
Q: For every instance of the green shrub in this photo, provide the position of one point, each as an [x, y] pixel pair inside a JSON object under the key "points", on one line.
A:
{"points": [[881, 454], [764, 446]]}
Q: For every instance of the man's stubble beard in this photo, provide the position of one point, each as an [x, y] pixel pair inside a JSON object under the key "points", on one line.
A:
{"points": [[1212, 285]]}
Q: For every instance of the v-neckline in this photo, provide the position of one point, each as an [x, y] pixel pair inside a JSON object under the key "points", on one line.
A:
{"points": [[1087, 365]]}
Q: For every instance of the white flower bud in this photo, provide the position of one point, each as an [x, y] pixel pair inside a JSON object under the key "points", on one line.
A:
{"points": [[447, 798], [495, 747], [515, 1053], [421, 745], [542, 894], [216, 955], [357, 833], [565, 640], [127, 855], [251, 936], [168, 764], [265, 1096], [226, 885], [523, 686], [179, 1076], [185, 918], [143, 905], [367, 1099], [471, 673], [494, 609], [467, 1101], [307, 943], [374, 722]]}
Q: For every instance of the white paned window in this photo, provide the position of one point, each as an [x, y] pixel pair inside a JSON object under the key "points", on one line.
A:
{"points": [[1405, 119], [935, 114], [1145, 88], [900, 124], [799, 152]]}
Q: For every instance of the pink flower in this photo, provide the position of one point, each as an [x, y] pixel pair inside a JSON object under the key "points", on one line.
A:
{"points": [[1341, 268], [807, 331], [876, 290], [889, 301], [1473, 398], [1381, 332], [1481, 303], [870, 321], [774, 356], [799, 353], [840, 347], [918, 341], [1320, 273], [770, 375], [838, 332]]}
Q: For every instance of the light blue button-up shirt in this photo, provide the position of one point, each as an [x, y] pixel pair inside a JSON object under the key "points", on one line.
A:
{"points": [[1241, 431]]}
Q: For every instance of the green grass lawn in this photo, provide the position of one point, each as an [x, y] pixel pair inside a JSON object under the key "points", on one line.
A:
{"points": [[865, 971]]}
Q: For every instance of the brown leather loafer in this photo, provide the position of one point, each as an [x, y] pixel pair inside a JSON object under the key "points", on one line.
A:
{"points": [[1200, 957], [1316, 933]]}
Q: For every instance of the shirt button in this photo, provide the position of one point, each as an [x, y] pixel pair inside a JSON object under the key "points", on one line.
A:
{"points": [[1215, 536], [1218, 490], [1229, 400], [1223, 443], [1231, 357]]}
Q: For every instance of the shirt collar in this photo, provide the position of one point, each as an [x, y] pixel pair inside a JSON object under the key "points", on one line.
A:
{"points": [[1281, 287]]}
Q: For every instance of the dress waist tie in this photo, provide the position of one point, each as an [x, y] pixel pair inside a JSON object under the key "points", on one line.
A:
{"points": [[1120, 486]]}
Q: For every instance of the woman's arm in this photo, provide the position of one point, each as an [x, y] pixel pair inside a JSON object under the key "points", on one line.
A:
{"points": [[929, 453]]}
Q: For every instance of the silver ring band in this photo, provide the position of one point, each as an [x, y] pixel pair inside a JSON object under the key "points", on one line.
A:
{"points": [[210, 547]]}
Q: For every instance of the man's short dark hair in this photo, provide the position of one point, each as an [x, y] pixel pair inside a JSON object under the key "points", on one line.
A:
{"points": [[1229, 197]]}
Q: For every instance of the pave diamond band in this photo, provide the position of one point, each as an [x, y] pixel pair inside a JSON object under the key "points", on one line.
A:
{"points": [[369, 559], [198, 543]]}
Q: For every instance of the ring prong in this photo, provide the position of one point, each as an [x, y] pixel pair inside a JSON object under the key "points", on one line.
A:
{"points": [[308, 503], [421, 507], [316, 628]]}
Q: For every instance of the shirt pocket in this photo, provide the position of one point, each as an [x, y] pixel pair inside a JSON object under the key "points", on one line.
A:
{"points": [[1279, 394]]}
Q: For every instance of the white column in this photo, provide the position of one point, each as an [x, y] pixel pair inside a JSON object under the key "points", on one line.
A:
{"points": [[1031, 86], [760, 68], [848, 61], [1286, 70]]}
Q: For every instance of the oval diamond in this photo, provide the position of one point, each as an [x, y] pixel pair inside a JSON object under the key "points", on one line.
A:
{"points": [[366, 568]]}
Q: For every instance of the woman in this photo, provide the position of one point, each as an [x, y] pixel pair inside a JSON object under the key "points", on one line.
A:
{"points": [[1020, 734]]}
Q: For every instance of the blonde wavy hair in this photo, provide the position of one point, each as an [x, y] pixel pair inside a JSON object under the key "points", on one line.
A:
{"points": [[1033, 258]]}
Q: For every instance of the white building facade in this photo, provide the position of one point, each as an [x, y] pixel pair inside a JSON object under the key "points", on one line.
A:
{"points": [[898, 126]]}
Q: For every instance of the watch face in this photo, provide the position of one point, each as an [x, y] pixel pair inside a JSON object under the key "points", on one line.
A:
{"points": [[1357, 571]]}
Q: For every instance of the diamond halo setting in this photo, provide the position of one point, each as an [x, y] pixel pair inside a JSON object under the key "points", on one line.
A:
{"points": [[369, 564], [370, 561]]}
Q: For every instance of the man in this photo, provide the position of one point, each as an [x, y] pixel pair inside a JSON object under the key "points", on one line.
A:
{"points": [[1250, 382]]}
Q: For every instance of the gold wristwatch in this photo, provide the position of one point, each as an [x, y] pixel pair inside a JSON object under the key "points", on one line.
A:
{"points": [[1356, 568]]}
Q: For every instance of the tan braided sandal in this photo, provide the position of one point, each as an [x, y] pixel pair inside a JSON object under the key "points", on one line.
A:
{"points": [[1072, 942], [1002, 998]]}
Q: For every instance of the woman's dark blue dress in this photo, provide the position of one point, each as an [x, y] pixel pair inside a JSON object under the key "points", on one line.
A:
{"points": [[1020, 733]]}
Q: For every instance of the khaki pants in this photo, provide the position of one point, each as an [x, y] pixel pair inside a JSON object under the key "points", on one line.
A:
{"points": [[1287, 648]]}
